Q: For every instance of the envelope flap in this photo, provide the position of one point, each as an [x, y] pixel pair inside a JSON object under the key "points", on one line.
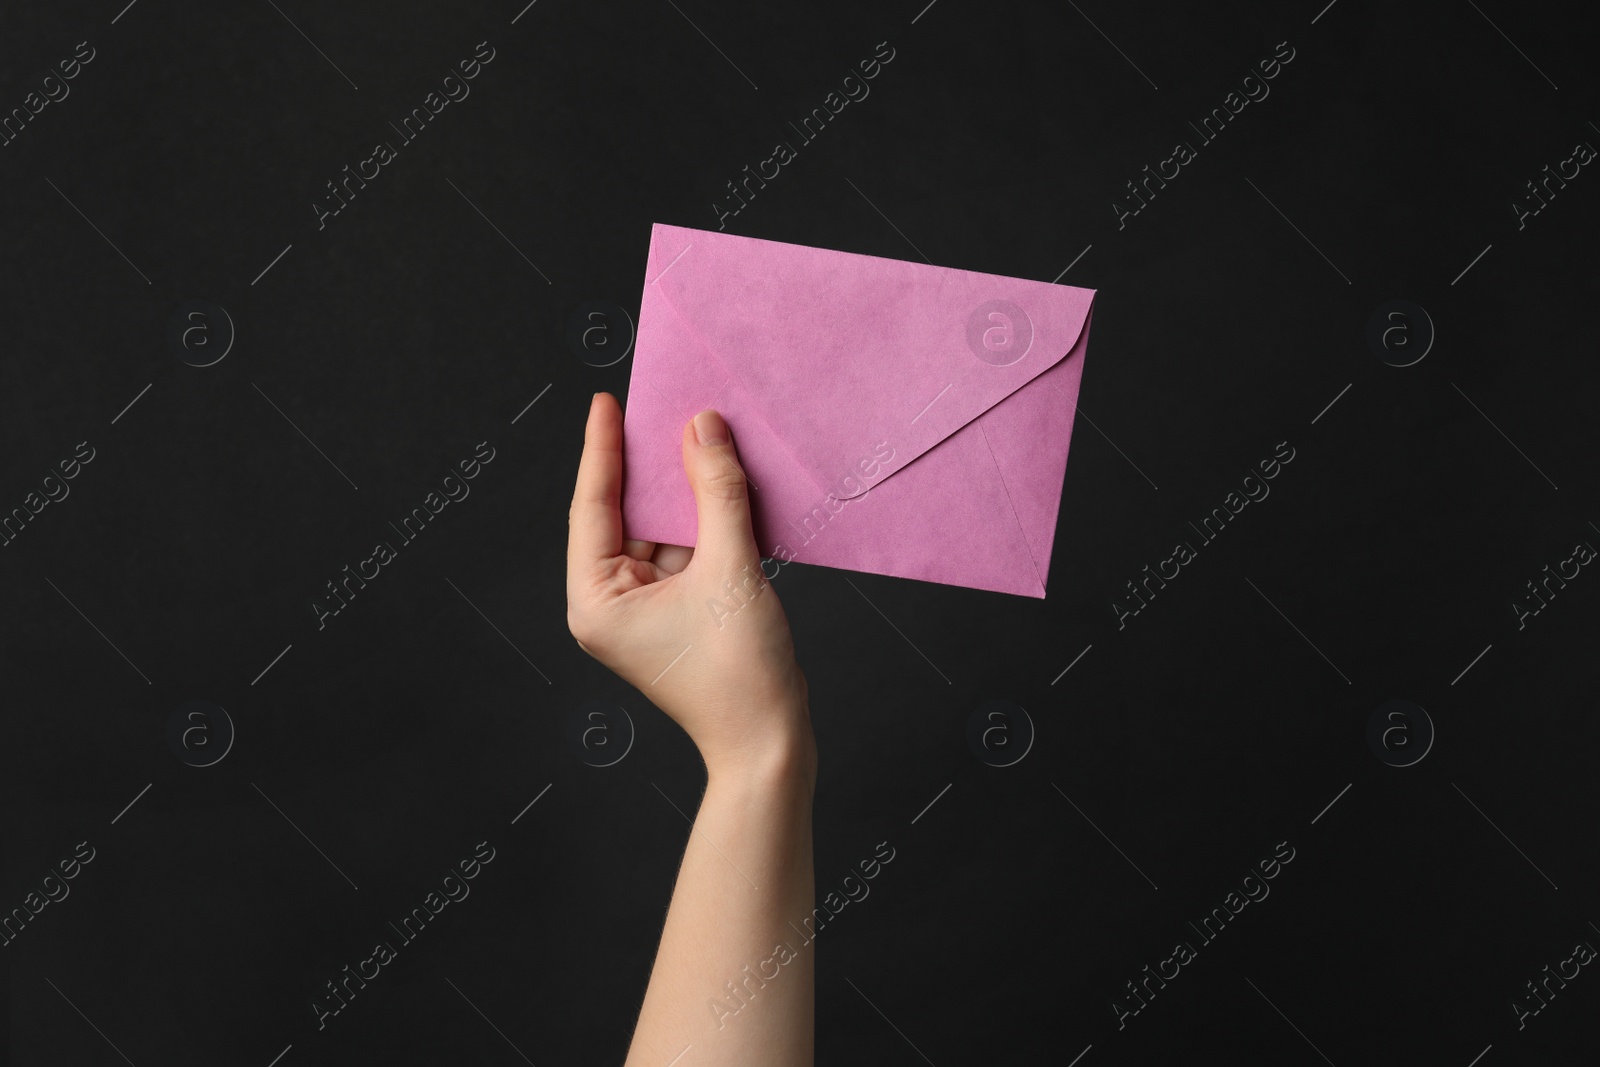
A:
{"points": [[861, 364]]}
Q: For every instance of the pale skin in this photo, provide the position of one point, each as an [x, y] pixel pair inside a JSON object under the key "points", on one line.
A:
{"points": [[739, 693]]}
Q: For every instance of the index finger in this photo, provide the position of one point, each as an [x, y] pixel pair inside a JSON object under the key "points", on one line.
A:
{"points": [[594, 528]]}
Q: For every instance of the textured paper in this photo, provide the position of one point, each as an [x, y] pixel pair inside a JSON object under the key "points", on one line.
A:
{"points": [[871, 401]]}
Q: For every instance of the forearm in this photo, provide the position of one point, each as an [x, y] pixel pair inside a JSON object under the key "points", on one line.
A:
{"points": [[733, 979]]}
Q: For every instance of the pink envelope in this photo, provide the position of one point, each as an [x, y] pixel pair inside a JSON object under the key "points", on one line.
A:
{"points": [[892, 417]]}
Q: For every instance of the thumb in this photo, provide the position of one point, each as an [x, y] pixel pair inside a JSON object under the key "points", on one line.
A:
{"points": [[720, 489]]}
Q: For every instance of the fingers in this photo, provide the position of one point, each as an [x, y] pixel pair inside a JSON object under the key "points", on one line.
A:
{"points": [[638, 549], [673, 558], [594, 529], [721, 494]]}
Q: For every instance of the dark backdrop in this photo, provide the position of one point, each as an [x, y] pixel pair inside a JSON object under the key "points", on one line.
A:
{"points": [[1227, 719]]}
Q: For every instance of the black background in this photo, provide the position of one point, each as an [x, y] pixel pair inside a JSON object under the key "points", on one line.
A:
{"points": [[1221, 720]]}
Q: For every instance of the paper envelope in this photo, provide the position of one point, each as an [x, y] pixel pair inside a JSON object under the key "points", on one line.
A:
{"points": [[891, 417]]}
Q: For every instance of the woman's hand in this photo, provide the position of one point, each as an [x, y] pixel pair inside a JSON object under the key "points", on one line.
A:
{"points": [[699, 631]]}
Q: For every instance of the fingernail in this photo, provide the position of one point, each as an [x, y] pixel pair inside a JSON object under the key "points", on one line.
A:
{"points": [[710, 429]]}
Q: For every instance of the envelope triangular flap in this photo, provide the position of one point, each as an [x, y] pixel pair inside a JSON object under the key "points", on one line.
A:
{"points": [[847, 351]]}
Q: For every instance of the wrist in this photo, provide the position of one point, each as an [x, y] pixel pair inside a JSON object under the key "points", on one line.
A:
{"points": [[780, 761]]}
